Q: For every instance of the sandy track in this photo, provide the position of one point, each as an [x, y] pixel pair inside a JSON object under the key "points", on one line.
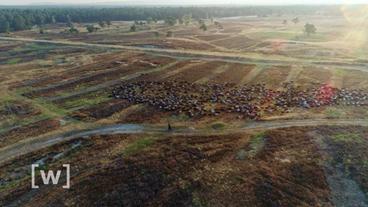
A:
{"points": [[252, 75], [31, 145], [205, 55], [294, 73]]}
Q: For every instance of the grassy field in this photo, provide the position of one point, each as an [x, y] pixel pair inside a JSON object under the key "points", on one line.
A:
{"points": [[50, 89]]}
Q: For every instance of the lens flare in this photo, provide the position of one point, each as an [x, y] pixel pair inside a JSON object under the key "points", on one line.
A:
{"points": [[357, 20]]}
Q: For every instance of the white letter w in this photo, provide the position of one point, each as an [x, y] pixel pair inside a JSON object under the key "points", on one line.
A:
{"points": [[50, 175]]}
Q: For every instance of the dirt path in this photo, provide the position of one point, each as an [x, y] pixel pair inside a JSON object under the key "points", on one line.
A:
{"points": [[34, 144], [196, 40], [195, 53], [220, 69], [294, 73], [204, 55], [180, 69], [252, 75]]}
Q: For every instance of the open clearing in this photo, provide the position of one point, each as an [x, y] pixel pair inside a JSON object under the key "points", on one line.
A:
{"points": [[261, 114]]}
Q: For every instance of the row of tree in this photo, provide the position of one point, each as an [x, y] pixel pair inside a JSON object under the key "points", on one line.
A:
{"points": [[13, 19]]}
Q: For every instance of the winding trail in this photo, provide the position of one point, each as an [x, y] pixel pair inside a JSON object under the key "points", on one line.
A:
{"points": [[234, 57], [34, 144], [196, 54]]}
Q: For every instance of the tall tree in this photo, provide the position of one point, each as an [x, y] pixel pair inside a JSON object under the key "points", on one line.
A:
{"points": [[157, 34], [171, 21], [4, 25], [73, 30], [91, 28], [203, 27], [19, 23], [181, 21], [187, 19], [149, 20], [169, 34], [218, 25], [101, 23], [133, 28], [40, 20], [53, 20], [295, 20], [310, 29], [69, 22], [23, 18]]}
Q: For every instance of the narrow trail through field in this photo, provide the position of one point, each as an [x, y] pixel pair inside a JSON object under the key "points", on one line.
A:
{"points": [[181, 69], [294, 73], [337, 79], [108, 83], [206, 55], [252, 75], [216, 71], [34, 144]]}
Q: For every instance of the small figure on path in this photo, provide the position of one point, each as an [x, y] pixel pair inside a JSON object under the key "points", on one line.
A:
{"points": [[169, 127]]}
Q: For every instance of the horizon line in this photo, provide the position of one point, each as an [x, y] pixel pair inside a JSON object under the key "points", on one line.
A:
{"points": [[175, 4]]}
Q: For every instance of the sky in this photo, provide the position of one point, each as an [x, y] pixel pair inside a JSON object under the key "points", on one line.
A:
{"points": [[184, 2]]}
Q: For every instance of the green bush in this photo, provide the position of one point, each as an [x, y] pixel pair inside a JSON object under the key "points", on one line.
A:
{"points": [[138, 146], [218, 126], [348, 137]]}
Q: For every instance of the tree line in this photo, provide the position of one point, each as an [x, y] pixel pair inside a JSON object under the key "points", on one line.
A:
{"points": [[14, 19]]}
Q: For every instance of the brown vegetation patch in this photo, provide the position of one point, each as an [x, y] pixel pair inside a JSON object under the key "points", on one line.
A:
{"points": [[102, 110], [283, 171], [237, 42], [160, 175], [160, 74], [119, 70], [274, 76], [310, 76], [234, 74], [196, 72], [17, 108], [355, 79], [347, 147], [30, 130], [211, 37], [145, 114], [195, 170]]}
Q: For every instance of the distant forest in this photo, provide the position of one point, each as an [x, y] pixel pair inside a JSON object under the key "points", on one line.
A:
{"points": [[21, 18]]}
